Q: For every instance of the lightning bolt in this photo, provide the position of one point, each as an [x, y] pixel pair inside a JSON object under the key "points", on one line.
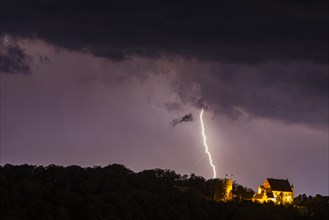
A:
{"points": [[206, 146]]}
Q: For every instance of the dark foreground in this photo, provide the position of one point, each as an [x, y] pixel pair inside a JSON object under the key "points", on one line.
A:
{"points": [[115, 192]]}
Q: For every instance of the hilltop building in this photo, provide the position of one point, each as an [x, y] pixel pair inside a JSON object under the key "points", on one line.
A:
{"points": [[228, 190], [278, 191]]}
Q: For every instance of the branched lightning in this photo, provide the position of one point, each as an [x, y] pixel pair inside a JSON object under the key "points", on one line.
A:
{"points": [[206, 146]]}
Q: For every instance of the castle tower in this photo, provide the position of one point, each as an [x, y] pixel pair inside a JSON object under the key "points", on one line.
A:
{"points": [[228, 189]]}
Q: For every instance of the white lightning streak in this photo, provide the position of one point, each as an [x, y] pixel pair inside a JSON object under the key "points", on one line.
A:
{"points": [[206, 146]]}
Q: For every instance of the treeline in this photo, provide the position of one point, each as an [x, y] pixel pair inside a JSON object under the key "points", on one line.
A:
{"points": [[115, 192]]}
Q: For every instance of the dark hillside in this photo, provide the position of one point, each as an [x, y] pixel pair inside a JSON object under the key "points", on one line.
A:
{"points": [[115, 192]]}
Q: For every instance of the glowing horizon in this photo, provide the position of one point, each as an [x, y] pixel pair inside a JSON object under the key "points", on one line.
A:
{"points": [[206, 146]]}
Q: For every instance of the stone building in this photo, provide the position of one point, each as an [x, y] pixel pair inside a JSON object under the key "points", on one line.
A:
{"points": [[278, 191], [228, 190]]}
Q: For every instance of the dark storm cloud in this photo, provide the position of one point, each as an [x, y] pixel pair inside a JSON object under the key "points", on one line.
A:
{"points": [[253, 41], [229, 31], [13, 59], [295, 93], [185, 118]]}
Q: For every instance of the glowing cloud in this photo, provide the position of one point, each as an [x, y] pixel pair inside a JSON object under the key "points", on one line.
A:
{"points": [[206, 146]]}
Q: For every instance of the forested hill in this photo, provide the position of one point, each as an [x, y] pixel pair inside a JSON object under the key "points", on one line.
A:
{"points": [[115, 192]]}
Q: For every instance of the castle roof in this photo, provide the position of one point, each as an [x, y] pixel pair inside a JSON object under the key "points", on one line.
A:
{"points": [[279, 185]]}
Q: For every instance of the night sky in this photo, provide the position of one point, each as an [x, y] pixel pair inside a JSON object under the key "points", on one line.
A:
{"points": [[101, 82]]}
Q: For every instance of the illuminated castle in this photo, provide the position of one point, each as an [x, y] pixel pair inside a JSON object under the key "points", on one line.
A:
{"points": [[278, 191], [228, 190]]}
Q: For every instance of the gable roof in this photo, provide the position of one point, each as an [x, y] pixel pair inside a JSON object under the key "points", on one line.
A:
{"points": [[279, 185]]}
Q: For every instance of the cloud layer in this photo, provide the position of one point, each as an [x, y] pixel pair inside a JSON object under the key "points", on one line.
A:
{"points": [[290, 92], [265, 58], [13, 59], [234, 31]]}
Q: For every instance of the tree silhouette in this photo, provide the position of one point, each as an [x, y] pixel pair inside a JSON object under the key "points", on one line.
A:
{"points": [[116, 192]]}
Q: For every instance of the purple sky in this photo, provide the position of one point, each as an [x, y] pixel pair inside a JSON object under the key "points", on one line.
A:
{"points": [[82, 89]]}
